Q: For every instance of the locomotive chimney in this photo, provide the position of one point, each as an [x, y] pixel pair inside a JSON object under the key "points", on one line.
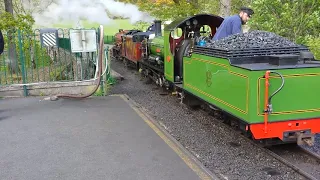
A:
{"points": [[157, 24]]}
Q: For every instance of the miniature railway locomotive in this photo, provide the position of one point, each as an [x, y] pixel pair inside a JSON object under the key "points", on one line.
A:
{"points": [[271, 93]]}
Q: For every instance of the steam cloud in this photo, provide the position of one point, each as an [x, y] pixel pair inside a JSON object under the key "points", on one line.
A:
{"points": [[91, 10]]}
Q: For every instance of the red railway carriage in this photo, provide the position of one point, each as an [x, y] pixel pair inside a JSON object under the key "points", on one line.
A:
{"points": [[128, 45], [125, 42], [132, 45], [118, 49], [118, 36], [133, 50]]}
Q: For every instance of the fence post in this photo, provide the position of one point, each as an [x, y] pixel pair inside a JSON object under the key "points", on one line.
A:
{"points": [[25, 91], [101, 86], [107, 64], [101, 77]]}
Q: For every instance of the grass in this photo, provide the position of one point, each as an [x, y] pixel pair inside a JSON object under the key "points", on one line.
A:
{"points": [[106, 87], [109, 29]]}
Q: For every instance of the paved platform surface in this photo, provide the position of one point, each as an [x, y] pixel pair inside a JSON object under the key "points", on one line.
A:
{"points": [[95, 138]]}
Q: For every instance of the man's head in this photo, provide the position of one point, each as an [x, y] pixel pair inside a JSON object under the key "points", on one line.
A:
{"points": [[245, 14]]}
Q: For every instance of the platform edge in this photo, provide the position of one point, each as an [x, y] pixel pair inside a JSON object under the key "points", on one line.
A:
{"points": [[191, 161]]}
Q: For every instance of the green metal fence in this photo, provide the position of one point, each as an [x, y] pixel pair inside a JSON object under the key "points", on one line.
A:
{"points": [[109, 39], [25, 60]]}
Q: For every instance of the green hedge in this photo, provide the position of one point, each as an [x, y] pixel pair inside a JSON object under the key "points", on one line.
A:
{"points": [[109, 39]]}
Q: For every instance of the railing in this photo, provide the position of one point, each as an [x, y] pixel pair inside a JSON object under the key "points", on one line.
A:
{"points": [[27, 60]]}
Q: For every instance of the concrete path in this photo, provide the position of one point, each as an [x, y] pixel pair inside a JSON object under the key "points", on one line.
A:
{"points": [[95, 138]]}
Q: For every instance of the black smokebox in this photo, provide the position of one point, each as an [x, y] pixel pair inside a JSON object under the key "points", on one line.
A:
{"points": [[157, 24]]}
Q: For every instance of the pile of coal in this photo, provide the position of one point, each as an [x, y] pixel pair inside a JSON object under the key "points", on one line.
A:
{"points": [[251, 39]]}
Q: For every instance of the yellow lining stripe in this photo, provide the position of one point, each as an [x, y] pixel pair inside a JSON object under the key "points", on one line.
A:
{"points": [[213, 97], [168, 75], [199, 171], [216, 99], [285, 112]]}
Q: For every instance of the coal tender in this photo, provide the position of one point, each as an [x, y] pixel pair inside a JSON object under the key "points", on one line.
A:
{"points": [[267, 82], [264, 83]]}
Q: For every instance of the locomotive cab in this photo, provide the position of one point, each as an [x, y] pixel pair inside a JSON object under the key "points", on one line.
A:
{"points": [[192, 32]]}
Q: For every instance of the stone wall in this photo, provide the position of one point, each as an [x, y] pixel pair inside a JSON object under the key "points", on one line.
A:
{"points": [[48, 89]]}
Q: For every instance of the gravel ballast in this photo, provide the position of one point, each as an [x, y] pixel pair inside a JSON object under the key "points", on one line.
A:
{"points": [[316, 147], [220, 149]]}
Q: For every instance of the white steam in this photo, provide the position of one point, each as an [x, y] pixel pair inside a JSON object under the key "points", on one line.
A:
{"points": [[73, 11]]}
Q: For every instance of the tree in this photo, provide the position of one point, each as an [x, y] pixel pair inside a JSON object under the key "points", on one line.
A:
{"points": [[294, 19], [30, 6], [11, 20], [13, 65], [167, 9], [297, 20], [172, 9], [225, 8]]}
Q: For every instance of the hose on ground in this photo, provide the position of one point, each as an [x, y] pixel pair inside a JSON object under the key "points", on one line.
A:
{"points": [[100, 57]]}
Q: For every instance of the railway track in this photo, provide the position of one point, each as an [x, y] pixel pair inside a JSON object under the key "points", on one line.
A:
{"points": [[311, 153], [301, 160], [304, 161]]}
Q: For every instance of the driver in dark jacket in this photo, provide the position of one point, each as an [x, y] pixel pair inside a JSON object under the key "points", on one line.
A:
{"points": [[233, 24], [1, 43]]}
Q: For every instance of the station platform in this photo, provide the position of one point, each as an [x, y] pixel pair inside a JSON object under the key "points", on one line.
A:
{"points": [[93, 138]]}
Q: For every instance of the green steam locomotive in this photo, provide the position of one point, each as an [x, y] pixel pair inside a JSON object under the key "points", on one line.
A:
{"points": [[270, 94]]}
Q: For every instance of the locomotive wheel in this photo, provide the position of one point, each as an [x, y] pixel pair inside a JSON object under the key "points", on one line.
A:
{"points": [[181, 52]]}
